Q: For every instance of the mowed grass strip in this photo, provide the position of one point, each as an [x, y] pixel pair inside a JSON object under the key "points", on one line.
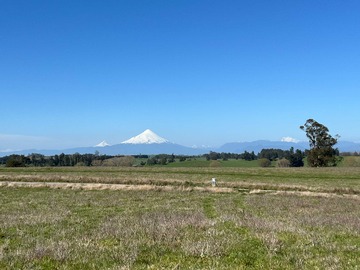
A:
{"points": [[78, 229]]}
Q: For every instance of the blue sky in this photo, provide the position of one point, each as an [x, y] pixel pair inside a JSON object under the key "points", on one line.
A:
{"points": [[74, 73]]}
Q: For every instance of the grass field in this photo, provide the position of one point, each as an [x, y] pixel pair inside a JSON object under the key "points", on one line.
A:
{"points": [[182, 228], [202, 162], [340, 180]]}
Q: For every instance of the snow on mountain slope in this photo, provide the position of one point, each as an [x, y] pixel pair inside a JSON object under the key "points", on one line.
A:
{"points": [[102, 144], [147, 137]]}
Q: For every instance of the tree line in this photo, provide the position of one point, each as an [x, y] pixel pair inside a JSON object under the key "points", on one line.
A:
{"points": [[39, 160], [321, 154], [295, 158]]}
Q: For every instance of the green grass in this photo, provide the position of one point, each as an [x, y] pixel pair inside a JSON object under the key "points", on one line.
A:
{"points": [[77, 229], [202, 162], [350, 161], [44, 228]]}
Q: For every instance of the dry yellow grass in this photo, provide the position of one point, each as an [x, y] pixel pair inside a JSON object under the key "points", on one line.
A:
{"points": [[94, 186], [312, 180]]}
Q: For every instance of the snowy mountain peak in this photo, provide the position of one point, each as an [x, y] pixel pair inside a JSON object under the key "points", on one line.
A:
{"points": [[102, 144], [147, 137]]}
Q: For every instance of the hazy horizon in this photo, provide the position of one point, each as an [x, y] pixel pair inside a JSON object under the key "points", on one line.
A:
{"points": [[128, 141]]}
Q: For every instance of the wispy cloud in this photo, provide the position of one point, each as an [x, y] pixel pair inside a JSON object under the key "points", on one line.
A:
{"points": [[16, 137], [21, 142], [289, 139]]}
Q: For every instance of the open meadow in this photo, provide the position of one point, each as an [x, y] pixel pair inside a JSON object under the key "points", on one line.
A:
{"points": [[172, 218]]}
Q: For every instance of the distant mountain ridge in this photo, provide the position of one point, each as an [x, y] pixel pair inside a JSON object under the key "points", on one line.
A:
{"points": [[149, 143]]}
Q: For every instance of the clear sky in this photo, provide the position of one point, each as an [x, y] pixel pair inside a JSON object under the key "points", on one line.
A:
{"points": [[74, 73]]}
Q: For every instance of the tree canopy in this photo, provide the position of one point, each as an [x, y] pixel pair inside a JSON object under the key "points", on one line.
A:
{"points": [[322, 153]]}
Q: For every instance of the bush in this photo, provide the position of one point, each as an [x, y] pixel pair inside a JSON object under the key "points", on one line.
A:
{"points": [[126, 161], [96, 162], [151, 161], [80, 164], [264, 162], [283, 163]]}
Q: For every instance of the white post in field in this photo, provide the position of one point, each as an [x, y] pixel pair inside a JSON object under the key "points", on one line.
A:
{"points": [[213, 182]]}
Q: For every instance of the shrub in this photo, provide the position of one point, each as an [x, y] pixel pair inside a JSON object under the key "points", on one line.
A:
{"points": [[80, 164], [283, 163], [264, 162], [126, 161], [96, 162]]}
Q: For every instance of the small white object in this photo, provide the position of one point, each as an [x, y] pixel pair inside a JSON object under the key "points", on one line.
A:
{"points": [[213, 182]]}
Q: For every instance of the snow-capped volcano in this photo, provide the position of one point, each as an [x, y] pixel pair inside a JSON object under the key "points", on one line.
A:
{"points": [[102, 144], [147, 137]]}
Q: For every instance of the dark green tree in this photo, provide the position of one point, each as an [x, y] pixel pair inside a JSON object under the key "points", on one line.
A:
{"points": [[214, 155], [322, 153], [151, 161], [16, 161], [171, 158], [296, 159]]}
